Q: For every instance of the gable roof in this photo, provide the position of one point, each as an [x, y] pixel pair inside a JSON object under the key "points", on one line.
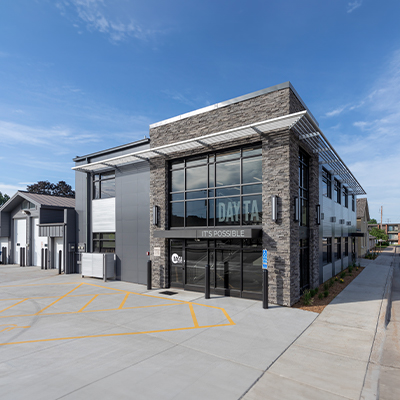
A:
{"points": [[38, 200], [362, 208]]}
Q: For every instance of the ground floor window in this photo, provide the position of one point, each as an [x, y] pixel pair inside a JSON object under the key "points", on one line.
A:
{"points": [[235, 265], [346, 247], [326, 250], [104, 242], [304, 263], [338, 248]]}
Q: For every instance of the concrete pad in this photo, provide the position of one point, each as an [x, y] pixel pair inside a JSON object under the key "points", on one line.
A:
{"points": [[338, 339], [325, 371], [275, 387], [389, 387]]}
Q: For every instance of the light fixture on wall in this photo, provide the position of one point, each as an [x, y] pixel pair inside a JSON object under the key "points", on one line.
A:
{"points": [[155, 215], [318, 214], [296, 209], [274, 208], [26, 212]]}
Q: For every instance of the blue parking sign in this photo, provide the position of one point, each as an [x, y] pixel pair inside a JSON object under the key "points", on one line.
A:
{"points": [[264, 262]]}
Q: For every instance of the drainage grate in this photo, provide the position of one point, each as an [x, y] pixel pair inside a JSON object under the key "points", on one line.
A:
{"points": [[168, 292]]}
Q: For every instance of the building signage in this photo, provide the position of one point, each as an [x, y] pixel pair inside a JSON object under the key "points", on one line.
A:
{"points": [[176, 259], [264, 260], [223, 233]]}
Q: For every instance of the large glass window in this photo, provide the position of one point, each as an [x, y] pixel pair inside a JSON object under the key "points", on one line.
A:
{"points": [[104, 185], [338, 248], [337, 191], [220, 189], [303, 188], [326, 250], [326, 183], [345, 199], [104, 242], [346, 247]]}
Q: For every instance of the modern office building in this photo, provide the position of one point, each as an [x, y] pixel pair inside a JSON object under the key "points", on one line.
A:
{"points": [[30, 223], [218, 186]]}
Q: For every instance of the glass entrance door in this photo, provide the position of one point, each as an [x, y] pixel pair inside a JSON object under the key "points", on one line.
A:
{"points": [[176, 263]]}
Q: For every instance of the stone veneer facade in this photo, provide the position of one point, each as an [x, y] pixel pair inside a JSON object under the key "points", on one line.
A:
{"points": [[280, 163]]}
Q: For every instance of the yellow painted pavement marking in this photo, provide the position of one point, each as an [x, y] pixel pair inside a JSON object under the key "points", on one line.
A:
{"points": [[94, 297], [114, 334], [196, 324], [123, 301], [13, 305], [10, 327], [120, 308], [60, 298]]}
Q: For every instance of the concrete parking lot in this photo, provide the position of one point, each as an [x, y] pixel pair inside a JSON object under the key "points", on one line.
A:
{"points": [[62, 336]]}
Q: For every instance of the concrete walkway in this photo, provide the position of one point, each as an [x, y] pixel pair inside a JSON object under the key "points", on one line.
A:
{"points": [[389, 374], [335, 357]]}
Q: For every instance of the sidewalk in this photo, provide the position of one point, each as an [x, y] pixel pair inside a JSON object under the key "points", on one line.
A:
{"points": [[335, 357]]}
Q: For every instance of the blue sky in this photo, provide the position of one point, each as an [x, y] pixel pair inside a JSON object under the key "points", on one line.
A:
{"points": [[79, 76]]}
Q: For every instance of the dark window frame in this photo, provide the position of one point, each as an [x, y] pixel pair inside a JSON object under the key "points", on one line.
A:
{"points": [[105, 177], [337, 190], [304, 188], [212, 193], [353, 202], [345, 194], [99, 237], [326, 182]]}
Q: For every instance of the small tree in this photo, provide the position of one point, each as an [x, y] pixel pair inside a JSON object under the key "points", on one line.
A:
{"points": [[379, 234], [4, 198], [372, 221]]}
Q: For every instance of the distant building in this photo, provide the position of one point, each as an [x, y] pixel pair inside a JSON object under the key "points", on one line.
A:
{"points": [[362, 226], [30, 223], [391, 230]]}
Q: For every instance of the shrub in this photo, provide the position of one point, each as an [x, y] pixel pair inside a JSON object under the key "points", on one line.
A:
{"points": [[350, 269], [320, 296], [336, 278], [307, 299], [326, 286], [342, 275], [341, 281], [331, 283], [326, 293]]}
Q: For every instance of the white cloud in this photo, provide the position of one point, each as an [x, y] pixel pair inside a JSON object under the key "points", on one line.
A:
{"points": [[335, 112], [99, 16], [6, 188], [371, 149], [353, 5]]}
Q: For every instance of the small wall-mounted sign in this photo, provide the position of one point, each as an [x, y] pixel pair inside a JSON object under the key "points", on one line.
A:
{"points": [[264, 260], [176, 259], [157, 251]]}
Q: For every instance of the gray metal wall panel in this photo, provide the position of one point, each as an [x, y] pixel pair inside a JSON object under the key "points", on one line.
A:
{"points": [[132, 222], [51, 216], [82, 197], [5, 227]]}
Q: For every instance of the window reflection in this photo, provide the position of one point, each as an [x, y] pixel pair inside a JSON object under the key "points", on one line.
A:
{"points": [[228, 173]]}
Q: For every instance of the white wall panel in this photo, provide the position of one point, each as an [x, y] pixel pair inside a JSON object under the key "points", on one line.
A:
{"points": [[103, 215], [19, 237]]}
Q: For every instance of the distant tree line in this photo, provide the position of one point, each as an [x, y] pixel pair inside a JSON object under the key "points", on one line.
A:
{"points": [[54, 189], [4, 198]]}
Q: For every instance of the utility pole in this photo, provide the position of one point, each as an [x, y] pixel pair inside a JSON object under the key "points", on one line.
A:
{"points": [[381, 216]]}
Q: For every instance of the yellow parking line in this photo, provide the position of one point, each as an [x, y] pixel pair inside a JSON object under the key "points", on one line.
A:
{"points": [[60, 298], [123, 301], [96, 295], [196, 324], [56, 297], [91, 311], [13, 305], [113, 334]]}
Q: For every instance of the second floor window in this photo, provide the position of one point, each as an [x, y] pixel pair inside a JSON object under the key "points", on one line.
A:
{"points": [[337, 191], [104, 185], [326, 183]]}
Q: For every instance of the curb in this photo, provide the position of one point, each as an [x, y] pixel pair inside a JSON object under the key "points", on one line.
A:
{"points": [[370, 389]]}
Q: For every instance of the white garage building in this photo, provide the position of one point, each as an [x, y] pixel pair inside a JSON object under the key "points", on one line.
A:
{"points": [[34, 228]]}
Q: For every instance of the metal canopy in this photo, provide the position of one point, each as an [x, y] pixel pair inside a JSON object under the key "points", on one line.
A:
{"points": [[302, 123]]}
